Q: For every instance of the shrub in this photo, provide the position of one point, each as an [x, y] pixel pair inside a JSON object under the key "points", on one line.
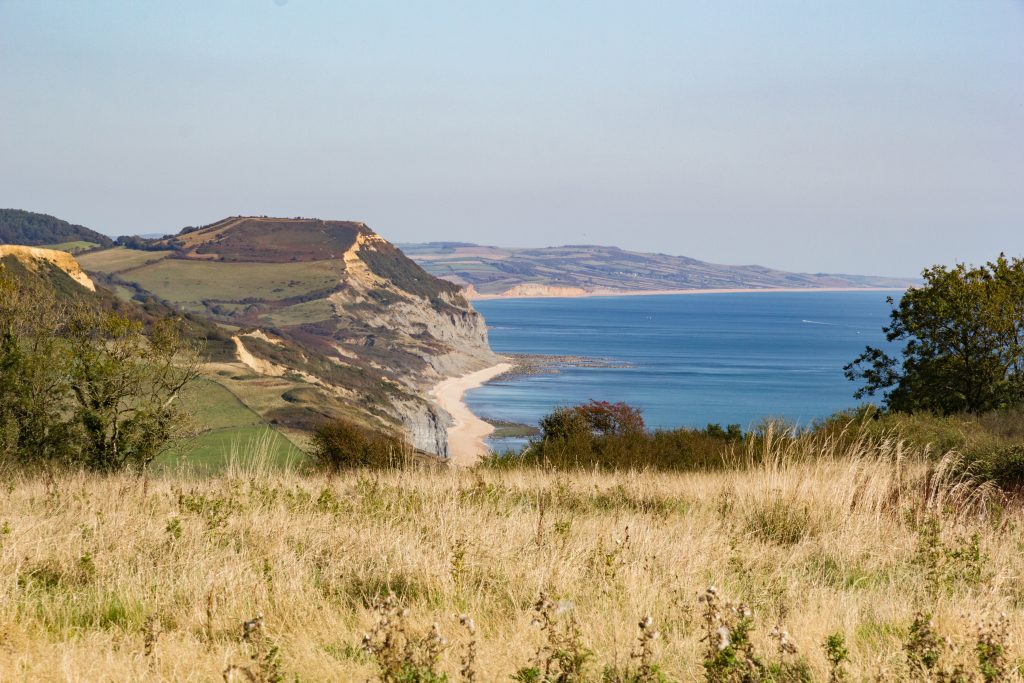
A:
{"points": [[611, 419], [613, 436], [838, 656], [339, 444], [564, 423], [1000, 464]]}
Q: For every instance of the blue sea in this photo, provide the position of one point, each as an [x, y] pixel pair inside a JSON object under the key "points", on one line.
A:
{"points": [[690, 359]]}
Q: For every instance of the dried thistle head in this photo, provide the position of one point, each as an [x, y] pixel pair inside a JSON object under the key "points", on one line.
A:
{"points": [[468, 670], [785, 643], [252, 629], [151, 632]]}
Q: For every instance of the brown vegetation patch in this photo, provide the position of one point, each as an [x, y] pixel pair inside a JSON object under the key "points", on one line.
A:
{"points": [[272, 240]]}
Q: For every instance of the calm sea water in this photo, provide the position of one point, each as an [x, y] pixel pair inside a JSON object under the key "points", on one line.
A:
{"points": [[693, 359]]}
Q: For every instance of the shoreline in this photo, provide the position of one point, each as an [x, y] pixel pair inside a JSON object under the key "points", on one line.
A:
{"points": [[477, 296], [467, 433]]}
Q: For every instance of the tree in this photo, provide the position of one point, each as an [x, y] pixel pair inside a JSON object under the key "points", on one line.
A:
{"points": [[34, 371], [80, 385], [124, 383], [963, 342]]}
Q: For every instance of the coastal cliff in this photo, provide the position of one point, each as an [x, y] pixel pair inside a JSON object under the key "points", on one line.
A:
{"points": [[331, 319], [32, 257]]}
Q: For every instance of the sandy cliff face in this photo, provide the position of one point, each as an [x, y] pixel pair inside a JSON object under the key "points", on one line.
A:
{"points": [[535, 290], [442, 329], [450, 341], [63, 260]]}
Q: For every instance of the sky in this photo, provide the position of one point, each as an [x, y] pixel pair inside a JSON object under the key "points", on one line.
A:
{"points": [[866, 136]]}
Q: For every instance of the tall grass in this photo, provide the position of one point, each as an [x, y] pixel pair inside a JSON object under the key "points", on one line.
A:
{"points": [[280, 574]]}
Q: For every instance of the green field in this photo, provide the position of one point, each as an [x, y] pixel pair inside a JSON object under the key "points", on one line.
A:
{"points": [[227, 430], [119, 259], [72, 247], [188, 282]]}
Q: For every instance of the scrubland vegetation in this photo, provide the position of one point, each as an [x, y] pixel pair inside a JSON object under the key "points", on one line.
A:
{"points": [[815, 557]]}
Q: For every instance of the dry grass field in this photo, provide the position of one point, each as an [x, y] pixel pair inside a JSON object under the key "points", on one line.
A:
{"points": [[123, 578]]}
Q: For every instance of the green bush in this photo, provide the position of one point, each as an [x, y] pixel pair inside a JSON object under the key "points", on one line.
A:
{"points": [[340, 445], [612, 436], [1002, 464]]}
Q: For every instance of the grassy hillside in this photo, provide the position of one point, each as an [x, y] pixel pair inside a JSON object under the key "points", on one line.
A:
{"points": [[74, 247], [225, 428], [123, 579], [202, 285], [39, 229], [495, 270]]}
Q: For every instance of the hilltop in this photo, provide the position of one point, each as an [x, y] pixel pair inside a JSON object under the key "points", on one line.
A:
{"points": [[42, 230], [327, 319], [574, 270]]}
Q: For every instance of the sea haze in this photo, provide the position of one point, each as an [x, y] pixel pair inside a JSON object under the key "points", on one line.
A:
{"points": [[691, 359]]}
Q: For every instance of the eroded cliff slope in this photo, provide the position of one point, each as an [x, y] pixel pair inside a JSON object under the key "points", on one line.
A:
{"points": [[329, 318]]}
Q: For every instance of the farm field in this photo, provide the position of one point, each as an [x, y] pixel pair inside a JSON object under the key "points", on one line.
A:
{"points": [[188, 283], [72, 247], [119, 259], [226, 429]]}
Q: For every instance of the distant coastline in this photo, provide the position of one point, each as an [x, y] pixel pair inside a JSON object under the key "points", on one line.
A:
{"points": [[546, 292]]}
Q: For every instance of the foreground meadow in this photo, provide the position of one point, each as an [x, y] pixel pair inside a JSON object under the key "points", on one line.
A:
{"points": [[261, 575]]}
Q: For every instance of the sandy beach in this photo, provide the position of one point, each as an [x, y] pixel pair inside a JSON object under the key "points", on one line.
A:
{"points": [[466, 435], [477, 296]]}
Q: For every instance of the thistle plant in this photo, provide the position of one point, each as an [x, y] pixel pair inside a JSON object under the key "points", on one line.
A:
{"points": [[264, 656], [468, 670], [401, 655], [992, 648], [562, 658], [729, 655]]}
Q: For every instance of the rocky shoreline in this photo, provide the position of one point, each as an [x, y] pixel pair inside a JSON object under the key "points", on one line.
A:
{"points": [[527, 364]]}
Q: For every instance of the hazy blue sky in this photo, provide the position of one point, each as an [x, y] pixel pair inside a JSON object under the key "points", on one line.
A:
{"points": [[864, 136]]}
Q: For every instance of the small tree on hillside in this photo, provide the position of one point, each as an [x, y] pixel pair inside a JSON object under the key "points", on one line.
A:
{"points": [[35, 425], [83, 386], [963, 342], [124, 383]]}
